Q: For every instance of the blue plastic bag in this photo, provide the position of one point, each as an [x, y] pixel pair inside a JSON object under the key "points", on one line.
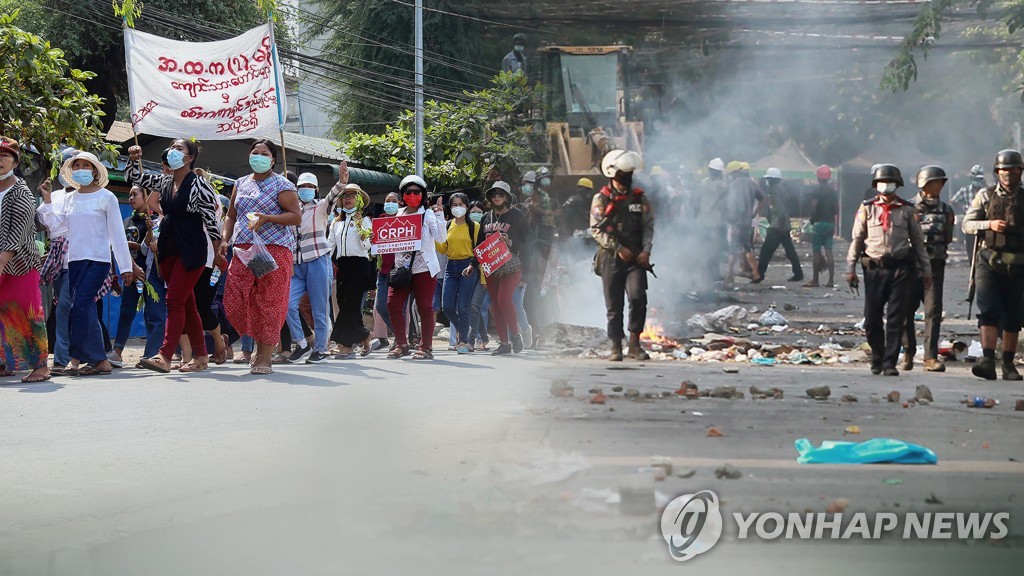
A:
{"points": [[874, 451]]}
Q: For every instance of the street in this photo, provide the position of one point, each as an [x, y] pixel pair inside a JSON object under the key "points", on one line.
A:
{"points": [[469, 464]]}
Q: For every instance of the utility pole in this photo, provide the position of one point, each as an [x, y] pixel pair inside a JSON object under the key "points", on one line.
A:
{"points": [[419, 88]]}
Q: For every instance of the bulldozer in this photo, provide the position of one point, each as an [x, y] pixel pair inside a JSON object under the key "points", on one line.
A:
{"points": [[589, 107]]}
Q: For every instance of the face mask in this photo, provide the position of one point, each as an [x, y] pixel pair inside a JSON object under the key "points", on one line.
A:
{"points": [[82, 177], [545, 182], [349, 210], [886, 187], [459, 211], [528, 189], [307, 194], [413, 200], [518, 47], [391, 207], [626, 179], [175, 159], [476, 216], [258, 163], [6, 175]]}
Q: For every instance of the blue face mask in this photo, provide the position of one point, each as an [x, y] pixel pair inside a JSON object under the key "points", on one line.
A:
{"points": [[528, 189], [82, 177], [545, 182], [391, 207], [175, 159], [476, 216], [258, 163], [307, 194], [349, 210]]}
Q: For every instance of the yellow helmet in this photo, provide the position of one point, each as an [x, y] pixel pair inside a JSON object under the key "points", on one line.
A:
{"points": [[735, 166], [585, 183], [657, 171]]}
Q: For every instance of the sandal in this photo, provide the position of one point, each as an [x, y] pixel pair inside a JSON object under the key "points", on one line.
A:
{"points": [[220, 357], [156, 364], [423, 355], [92, 371], [398, 352], [30, 379], [366, 348], [261, 370], [194, 366]]}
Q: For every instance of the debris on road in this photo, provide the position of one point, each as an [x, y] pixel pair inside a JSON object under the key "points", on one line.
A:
{"points": [[686, 473], [765, 393], [874, 451], [837, 506], [598, 398], [933, 500], [772, 317], [714, 432], [980, 402], [893, 397], [1019, 407], [632, 393], [616, 388], [849, 398], [729, 472], [923, 395], [892, 481], [726, 392], [688, 390], [721, 320], [819, 392], [663, 462], [561, 389], [853, 429]]}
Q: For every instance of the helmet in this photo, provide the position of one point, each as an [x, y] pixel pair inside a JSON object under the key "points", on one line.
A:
{"points": [[621, 161], [887, 172], [412, 179], [716, 164], [977, 171], [585, 183], [773, 173], [499, 186], [1008, 159], [543, 171], [519, 38], [530, 177], [929, 173], [733, 166], [823, 172], [657, 171]]}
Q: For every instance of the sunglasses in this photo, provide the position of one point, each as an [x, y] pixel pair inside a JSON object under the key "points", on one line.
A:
{"points": [[413, 191]]}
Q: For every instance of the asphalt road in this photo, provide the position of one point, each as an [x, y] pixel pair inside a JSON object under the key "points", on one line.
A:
{"points": [[469, 465]]}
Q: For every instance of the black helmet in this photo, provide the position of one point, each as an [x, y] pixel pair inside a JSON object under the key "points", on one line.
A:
{"points": [[929, 173], [887, 172], [519, 38], [1008, 159]]}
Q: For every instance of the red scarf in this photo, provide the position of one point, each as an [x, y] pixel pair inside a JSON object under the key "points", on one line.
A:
{"points": [[884, 217]]}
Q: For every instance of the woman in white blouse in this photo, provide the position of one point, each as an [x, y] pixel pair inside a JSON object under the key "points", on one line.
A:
{"points": [[350, 244], [425, 268], [94, 229]]}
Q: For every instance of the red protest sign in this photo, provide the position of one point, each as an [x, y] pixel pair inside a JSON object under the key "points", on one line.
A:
{"points": [[397, 234], [492, 254]]}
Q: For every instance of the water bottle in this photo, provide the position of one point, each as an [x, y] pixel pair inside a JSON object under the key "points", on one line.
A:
{"points": [[980, 402], [215, 277], [138, 286]]}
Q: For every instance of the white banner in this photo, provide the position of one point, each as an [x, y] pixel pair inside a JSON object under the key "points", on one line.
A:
{"points": [[208, 90]]}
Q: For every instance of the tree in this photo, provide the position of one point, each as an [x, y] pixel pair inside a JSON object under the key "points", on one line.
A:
{"points": [[43, 100], [463, 142]]}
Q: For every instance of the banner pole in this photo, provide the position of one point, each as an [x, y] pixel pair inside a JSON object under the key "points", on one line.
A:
{"points": [[277, 88], [135, 132]]}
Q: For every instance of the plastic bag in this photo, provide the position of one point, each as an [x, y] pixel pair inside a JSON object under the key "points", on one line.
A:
{"points": [[874, 451], [256, 257]]}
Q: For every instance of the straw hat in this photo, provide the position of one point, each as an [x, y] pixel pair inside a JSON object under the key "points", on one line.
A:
{"points": [[362, 194], [101, 180]]}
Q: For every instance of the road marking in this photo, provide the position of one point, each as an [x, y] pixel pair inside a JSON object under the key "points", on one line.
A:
{"points": [[943, 466]]}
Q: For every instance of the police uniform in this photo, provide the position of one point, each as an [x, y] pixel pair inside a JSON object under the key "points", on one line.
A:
{"points": [[999, 272], [937, 223], [622, 220], [887, 241]]}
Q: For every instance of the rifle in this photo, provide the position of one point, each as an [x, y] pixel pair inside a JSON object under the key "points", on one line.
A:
{"points": [[970, 283], [605, 225]]}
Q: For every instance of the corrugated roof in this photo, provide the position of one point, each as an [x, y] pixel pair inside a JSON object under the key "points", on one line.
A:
{"points": [[120, 132], [317, 147]]}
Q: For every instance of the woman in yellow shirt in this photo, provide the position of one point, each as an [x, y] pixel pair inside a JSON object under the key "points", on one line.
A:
{"points": [[461, 275]]}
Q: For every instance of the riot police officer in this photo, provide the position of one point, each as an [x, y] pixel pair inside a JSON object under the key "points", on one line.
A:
{"points": [[997, 216], [887, 240], [937, 223], [623, 226]]}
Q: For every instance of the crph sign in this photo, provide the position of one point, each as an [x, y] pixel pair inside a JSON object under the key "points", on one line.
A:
{"points": [[397, 234], [693, 523]]}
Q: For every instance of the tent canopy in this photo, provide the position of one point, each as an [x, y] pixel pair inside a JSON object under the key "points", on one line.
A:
{"points": [[908, 158], [788, 158]]}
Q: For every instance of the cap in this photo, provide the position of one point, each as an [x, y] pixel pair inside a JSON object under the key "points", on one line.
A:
{"points": [[308, 178], [10, 145]]}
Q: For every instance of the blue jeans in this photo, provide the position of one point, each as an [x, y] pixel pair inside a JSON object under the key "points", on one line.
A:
{"points": [[478, 313], [247, 344], [380, 301], [457, 297], [61, 285], [154, 313], [85, 278], [315, 278], [517, 299]]}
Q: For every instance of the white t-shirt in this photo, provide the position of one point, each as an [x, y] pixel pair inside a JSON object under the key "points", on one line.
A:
{"points": [[94, 227]]}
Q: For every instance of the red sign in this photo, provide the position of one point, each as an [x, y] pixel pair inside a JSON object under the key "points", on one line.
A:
{"points": [[394, 234], [492, 254]]}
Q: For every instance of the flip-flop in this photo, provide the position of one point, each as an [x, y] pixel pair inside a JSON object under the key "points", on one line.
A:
{"points": [[30, 379], [152, 364], [92, 371], [261, 370]]}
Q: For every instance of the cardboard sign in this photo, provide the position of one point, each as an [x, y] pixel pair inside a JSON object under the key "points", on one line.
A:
{"points": [[395, 234], [492, 254]]}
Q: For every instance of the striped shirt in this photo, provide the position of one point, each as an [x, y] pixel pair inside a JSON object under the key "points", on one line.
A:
{"points": [[18, 229], [312, 233]]}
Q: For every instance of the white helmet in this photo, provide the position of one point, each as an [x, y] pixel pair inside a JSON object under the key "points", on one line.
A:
{"points": [[412, 179], [773, 173], [530, 176], [621, 161], [717, 164]]}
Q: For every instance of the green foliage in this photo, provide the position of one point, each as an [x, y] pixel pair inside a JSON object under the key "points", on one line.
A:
{"points": [[462, 141], [129, 10], [43, 100]]}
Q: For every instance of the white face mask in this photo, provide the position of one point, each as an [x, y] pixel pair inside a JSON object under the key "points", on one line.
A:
{"points": [[6, 175], [886, 187], [459, 211]]}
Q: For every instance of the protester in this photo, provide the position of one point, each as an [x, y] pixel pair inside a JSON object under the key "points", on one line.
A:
{"points": [[424, 267], [206, 290], [94, 229], [189, 207], [350, 245], [138, 230], [312, 273], [778, 227], [824, 223], [481, 302], [22, 320], [461, 275], [255, 298], [511, 224], [385, 262], [55, 271]]}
